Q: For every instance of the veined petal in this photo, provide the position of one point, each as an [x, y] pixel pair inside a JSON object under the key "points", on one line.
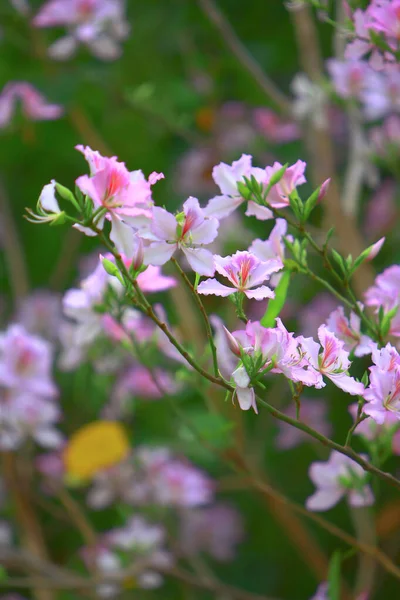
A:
{"points": [[222, 206], [346, 383], [214, 287], [163, 224], [123, 237], [260, 293], [262, 213], [87, 187], [264, 270], [158, 253], [206, 232], [201, 260]]}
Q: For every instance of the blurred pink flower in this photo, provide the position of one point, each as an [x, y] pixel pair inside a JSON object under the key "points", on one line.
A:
{"points": [[293, 177], [381, 208], [216, 530], [383, 393], [34, 105], [349, 332], [98, 24], [339, 477], [40, 313], [348, 77], [312, 412], [275, 129]]}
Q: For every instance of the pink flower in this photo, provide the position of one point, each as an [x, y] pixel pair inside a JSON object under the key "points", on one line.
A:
{"points": [[386, 294], [273, 127], [333, 361], [216, 530], [152, 280], [383, 393], [339, 477], [273, 247], [115, 484], [98, 24], [370, 429], [348, 77], [125, 195], [349, 332], [245, 272], [26, 416], [189, 231], [227, 178], [384, 17], [40, 313], [278, 197], [312, 412], [381, 209], [25, 363], [177, 483], [34, 105]]}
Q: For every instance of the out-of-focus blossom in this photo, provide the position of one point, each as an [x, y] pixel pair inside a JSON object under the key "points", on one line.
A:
{"points": [[348, 77], [386, 294], [275, 129], [316, 312], [40, 313], [273, 247], [216, 530], [310, 101], [384, 17], [98, 24], [278, 197], [370, 429], [381, 208], [245, 272], [321, 592], [380, 95], [339, 477], [25, 363], [189, 231], [333, 362], [26, 416], [115, 484], [348, 330], [138, 382], [312, 412], [34, 106], [227, 178], [152, 280], [163, 479], [385, 138], [383, 393], [94, 447]]}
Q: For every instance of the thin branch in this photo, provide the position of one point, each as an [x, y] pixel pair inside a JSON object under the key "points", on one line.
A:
{"points": [[13, 248], [204, 315], [237, 48]]}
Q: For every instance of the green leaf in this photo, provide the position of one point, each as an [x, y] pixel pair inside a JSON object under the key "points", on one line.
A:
{"points": [[243, 190], [276, 177], [276, 304], [334, 576], [340, 260], [311, 203]]}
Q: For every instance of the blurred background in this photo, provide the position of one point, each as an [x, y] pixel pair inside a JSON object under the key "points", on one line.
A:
{"points": [[178, 100]]}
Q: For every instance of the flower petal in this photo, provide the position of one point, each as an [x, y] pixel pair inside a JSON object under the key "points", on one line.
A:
{"points": [[200, 260], [214, 287]]}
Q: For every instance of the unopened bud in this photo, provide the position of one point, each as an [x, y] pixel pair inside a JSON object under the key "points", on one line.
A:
{"points": [[232, 342]]}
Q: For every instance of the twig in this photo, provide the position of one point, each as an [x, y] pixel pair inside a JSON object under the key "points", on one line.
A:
{"points": [[322, 155], [13, 248], [237, 48], [204, 315], [77, 516]]}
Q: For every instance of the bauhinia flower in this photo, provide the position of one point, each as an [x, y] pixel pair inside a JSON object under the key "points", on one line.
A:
{"points": [[245, 272], [273, 247], [333, 362], [278, 197], [98, 24], [188, 231], [383, 393], [348, 330], [385, 294], [34, 106], [227, 178], [335, 479]]}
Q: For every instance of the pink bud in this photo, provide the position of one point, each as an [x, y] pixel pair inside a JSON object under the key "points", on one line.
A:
{"points": [[323, 189], [232, 342], [374, 249]]}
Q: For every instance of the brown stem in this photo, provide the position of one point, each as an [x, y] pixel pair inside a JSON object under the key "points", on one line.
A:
{"points": [[13, 248], [322, 154], [31, 533], [237, 48]]}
